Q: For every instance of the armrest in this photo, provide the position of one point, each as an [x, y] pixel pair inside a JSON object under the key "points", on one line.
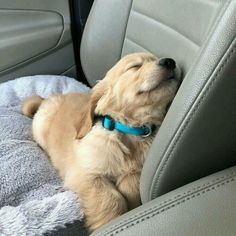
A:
{"points": [[204, 207]]}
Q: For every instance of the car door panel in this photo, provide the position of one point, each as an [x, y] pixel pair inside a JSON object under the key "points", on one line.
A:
{"points": [[35, 38]]}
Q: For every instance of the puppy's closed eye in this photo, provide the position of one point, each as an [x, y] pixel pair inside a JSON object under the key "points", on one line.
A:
{"points": [[135, 66]]}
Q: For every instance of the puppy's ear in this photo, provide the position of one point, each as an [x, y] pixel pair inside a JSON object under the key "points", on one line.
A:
{"points": [[86, 119]]}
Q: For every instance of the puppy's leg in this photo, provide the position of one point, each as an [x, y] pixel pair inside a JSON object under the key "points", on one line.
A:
{"points": [[128, 185], [99, 198]]}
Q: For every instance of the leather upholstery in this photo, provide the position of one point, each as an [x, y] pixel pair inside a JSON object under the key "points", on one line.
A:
{"points": [[169, 28], [103, 37], [205, 207], [198, 135], [163, 27]]}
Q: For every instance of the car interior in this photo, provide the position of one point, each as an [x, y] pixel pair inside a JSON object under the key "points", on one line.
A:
{"points": [[188, 182]]}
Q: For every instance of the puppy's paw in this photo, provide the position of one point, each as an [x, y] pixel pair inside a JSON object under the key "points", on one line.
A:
{"points": [[105, 211]]}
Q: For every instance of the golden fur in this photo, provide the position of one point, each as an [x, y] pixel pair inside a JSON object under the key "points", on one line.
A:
{"points": [[103, 167]]}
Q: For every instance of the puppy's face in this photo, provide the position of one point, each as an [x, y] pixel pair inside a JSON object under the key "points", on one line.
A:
{"points": [[138, 89]]}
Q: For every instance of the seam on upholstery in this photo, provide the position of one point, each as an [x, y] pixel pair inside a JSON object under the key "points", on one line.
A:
{"points": [[206, 89], [171, 203], [158, 21], [132, 41], [131, 5]]}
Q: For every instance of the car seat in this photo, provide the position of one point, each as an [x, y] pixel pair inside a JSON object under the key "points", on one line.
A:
{"points": [[188, 182]]}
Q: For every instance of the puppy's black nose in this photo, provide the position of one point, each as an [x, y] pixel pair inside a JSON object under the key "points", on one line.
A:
{"points": [[167, 63]]}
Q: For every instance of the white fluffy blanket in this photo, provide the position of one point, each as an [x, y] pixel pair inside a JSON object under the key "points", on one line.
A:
{"points": [[32, 200]]}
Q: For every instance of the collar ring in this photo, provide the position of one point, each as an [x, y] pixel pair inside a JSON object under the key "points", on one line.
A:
{"points": [[149, 132]]}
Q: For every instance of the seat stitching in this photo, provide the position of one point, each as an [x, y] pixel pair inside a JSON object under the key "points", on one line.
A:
{"points": [[177, 203], [180, 198]]}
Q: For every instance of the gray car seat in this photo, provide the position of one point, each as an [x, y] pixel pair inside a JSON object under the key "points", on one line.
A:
{"points": [[188, 182]]}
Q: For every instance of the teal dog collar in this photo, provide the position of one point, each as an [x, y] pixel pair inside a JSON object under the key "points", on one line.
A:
{"points": [[109, 124]]}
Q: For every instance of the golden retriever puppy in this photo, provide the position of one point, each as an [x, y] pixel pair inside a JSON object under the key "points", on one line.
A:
{"points": [[99, 141]]}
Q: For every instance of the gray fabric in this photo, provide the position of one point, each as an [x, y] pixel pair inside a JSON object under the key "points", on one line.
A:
{"points": [[32, 199], [205, 207], [198, 135]]}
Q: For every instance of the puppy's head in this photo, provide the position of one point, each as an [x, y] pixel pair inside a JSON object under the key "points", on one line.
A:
{"points": [[137, 90]]}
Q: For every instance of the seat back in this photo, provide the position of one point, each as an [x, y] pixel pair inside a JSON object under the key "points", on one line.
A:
{"points": [[163, 27], [200, 126]]}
